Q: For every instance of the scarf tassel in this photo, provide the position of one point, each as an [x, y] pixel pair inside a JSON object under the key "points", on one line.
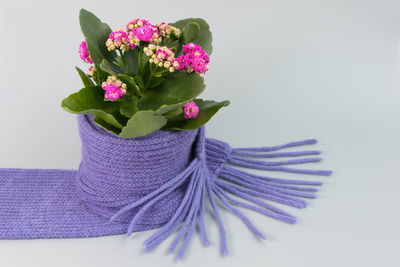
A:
{"points": [[212, 177]]}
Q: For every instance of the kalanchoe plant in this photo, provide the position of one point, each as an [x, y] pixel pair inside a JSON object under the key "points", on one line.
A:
{"points": [[144, 77]]}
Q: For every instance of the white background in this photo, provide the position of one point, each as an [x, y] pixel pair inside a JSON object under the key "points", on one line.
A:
{"points": [[292, 70]]}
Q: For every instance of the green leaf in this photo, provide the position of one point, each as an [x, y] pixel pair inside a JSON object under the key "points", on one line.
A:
{"points": [[85, 79], [190, 32], [90, 100], [178, 89], [131, 59], [130, 83], [103, 123], [174, 112], [139, 81], [156, 81], [167, 108], [204, 39], [175, 45], [105, 66], [129, 106], [207, 109], [96, 34], [143, 123]]}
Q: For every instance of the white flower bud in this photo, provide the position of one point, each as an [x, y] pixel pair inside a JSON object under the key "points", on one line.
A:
{"points": [[175, 64]]}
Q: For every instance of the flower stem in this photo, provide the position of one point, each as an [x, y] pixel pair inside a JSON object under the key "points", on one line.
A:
{"points": [[123, 60], [140, 60], [161, 72], [152, 72]]}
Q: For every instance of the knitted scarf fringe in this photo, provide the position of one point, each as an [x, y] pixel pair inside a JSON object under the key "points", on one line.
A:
{"points": [[212, 177]]}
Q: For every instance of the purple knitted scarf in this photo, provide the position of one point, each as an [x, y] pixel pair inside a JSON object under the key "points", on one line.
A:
{"points": [[163, 180]]}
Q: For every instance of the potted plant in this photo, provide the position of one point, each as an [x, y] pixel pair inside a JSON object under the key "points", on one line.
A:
{"points": [[144, 77]]}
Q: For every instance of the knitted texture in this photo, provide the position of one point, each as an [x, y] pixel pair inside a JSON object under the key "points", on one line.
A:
{"points": [[37, 203], [163, 180]]}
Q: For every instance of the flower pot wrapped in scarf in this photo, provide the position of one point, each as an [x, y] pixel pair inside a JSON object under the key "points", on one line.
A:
{"points": [[146, 162], [162, 180]]}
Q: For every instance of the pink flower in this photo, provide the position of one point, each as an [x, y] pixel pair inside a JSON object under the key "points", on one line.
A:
{"points": [[137, 23], [199, 65], [84, 53], [142, 30], [194, 58], [184, 61], [118, 35], [190, 110], [191, 48], [114, 88], [144, 33], [168, 31], [131, 24], [206, 58], [162, 54], [113, 92], [162, 28], [175, 63], [118, 39]]}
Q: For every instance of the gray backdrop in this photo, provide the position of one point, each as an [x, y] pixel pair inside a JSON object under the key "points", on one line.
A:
{"points": [[292, 70]]}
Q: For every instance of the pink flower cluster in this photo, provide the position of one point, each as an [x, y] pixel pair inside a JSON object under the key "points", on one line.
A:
{"points": [[162, 56], [190, 110], [143, 33], [137, 23], [114, 88], [168, 31], [137, 30], [142, 30], [194, 58], [118, 39], [84, 53]]}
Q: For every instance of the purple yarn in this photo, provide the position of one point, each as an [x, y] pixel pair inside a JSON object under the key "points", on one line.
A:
{"points": [[164, 180], [279, 147], [276, 154], [227, 169], [114, 172], [177, 218], [217, 191]]}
